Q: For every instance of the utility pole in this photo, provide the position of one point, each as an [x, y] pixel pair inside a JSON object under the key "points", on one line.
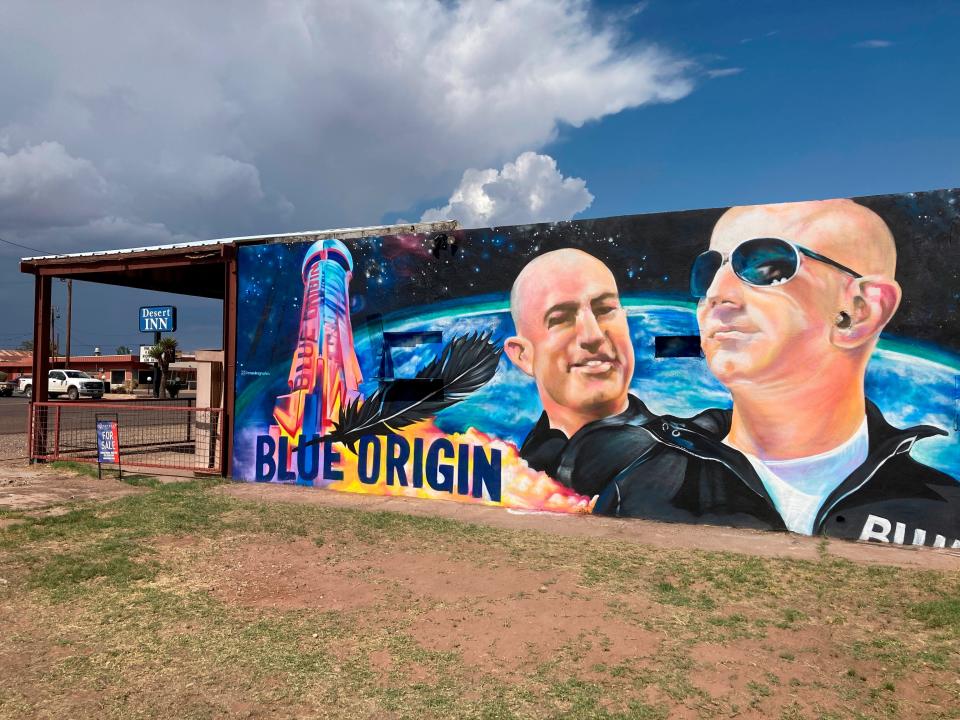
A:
{"points": [[156, 369], [54, 349], [69, 318]]}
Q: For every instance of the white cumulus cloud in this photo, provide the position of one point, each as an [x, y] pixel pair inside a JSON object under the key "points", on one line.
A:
{"points": [[308, 114], [42, 185], [528, 190], [132, 123]]}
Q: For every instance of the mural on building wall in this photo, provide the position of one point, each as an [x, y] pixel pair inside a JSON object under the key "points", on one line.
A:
{"points": [[784, 367]]}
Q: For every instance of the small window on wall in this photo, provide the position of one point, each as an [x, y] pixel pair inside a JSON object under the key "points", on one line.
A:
{"points": [[405, 354], [677, 346], [117, 377]]}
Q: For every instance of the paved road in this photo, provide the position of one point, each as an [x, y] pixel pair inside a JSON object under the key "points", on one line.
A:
{"points": [[13, 429], [77, 422], [13, 415]]}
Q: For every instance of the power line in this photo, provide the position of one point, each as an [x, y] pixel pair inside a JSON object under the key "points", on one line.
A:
{"points": [[26, 247]]}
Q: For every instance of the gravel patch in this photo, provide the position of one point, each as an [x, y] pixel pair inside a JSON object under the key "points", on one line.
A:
{"points": [[13, 446]]}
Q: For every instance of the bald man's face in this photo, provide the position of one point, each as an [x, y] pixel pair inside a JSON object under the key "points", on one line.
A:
{"points": [[780, 333], [578, 343]]}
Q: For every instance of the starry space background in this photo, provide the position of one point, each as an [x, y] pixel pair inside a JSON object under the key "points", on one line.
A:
{"points": [[647, 254], [416, 283]]}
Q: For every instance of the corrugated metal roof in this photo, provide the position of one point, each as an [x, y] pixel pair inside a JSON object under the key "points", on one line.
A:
{"points": [[15, 355], [18, 357], [340, 233]]}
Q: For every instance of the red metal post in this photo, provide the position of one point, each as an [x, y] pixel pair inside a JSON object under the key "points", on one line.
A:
{"points": [[41, 364], [41, 338], [229, 357]]}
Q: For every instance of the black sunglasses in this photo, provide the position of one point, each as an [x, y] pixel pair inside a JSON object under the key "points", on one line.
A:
{"points": [[760, 262]]}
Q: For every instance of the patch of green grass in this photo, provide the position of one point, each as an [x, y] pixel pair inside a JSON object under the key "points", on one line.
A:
{"points": [[613, 569], [790, 617], [672, 676], [576, 699], [581, 701], [794, 711], [63, 575], [886, 648], [669, 594], [90, 470], [643, 711], [854, 675], [82, 521], [734, 621], [175, 508], [104, 542], [935, 614], [746, 574], [938, 658]]}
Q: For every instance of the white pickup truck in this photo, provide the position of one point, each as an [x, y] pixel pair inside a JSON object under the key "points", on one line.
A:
{"points": [[72, 383]]}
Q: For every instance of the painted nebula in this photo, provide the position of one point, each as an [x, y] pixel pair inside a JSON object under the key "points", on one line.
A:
{"points": [[785, 367]]}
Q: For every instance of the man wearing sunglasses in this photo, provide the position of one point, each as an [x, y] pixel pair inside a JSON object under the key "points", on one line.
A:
{"points": [[792, 299]]}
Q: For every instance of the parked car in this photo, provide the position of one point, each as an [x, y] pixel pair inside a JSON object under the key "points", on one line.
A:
{"points": [[6, 388], [24, 383], [72, 383]]}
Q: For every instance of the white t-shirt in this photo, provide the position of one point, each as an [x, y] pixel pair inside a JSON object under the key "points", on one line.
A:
{"points": [[798, 487]]}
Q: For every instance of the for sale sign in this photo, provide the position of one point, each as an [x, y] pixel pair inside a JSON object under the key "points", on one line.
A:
{"points": [[108, 442]]}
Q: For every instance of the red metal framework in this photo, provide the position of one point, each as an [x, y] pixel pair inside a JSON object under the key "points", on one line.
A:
{"points": [[174, 437], [202, 269]]}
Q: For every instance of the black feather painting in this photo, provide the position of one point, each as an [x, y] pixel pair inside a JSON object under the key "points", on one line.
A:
{"points": [[464, 365]]}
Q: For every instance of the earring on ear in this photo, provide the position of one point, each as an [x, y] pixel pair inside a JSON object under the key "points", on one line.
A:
{"points": [[843, 320]]}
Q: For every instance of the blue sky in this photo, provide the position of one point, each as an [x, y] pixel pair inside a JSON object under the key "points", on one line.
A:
{"points": [[813, 114], [826, 101], [109, 139]]}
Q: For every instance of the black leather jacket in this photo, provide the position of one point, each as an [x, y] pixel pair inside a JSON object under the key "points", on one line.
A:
{"points": [[696, 478], [596, 454], [678, 470]]}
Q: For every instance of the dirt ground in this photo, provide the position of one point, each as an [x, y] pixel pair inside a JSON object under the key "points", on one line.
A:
{"points": [[38, 487], [634, 617], [32, 487], [644, 532], [505, 621], [41, 487]]}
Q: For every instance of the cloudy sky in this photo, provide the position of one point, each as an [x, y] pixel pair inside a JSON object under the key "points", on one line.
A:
{"points": [[129, 124]]}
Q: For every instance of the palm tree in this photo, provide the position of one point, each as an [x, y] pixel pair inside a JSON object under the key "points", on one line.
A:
{"points": [[164, 352]]}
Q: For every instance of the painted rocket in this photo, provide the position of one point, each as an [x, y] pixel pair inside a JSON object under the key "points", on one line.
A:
{"points": [[324, 372]]}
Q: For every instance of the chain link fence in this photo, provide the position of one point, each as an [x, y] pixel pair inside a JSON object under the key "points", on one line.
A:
{"points": [[175, 437]]}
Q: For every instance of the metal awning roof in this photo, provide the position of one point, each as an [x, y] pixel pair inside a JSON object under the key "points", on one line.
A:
{"points": [[339, 233], [191, 268]]}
